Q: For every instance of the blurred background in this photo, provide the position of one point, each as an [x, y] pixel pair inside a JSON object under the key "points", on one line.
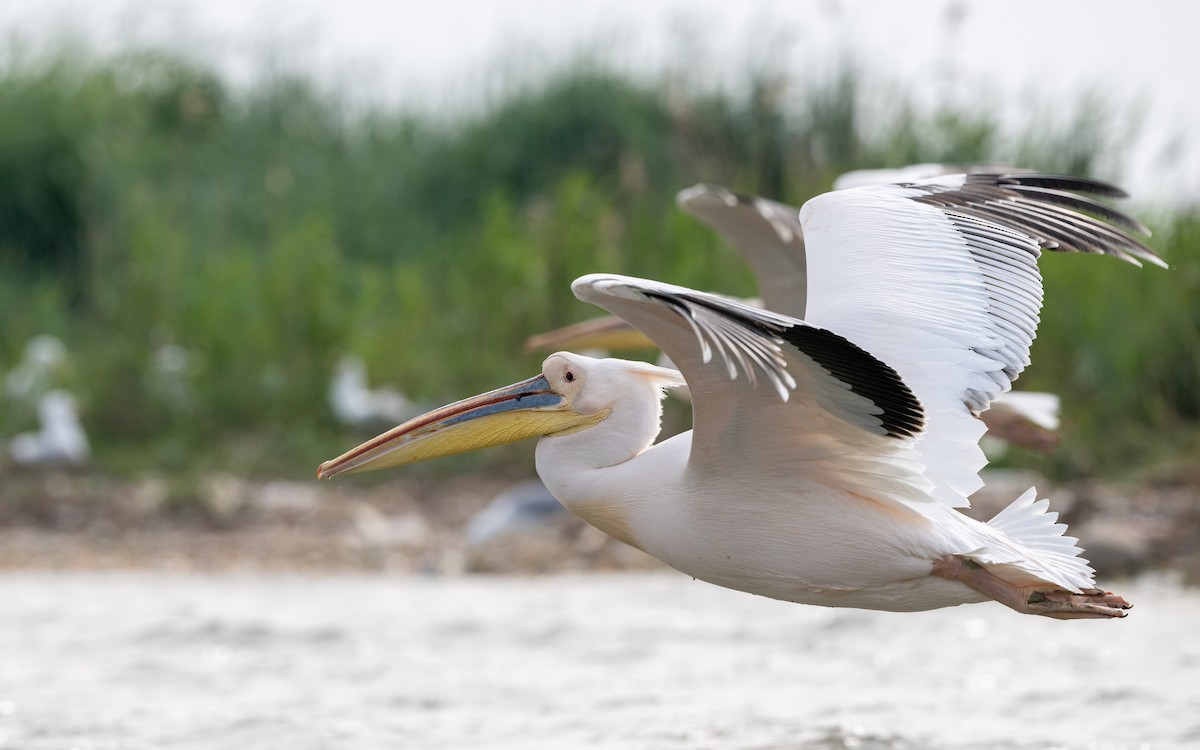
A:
{"points": [[237, 238], [217, 217]]}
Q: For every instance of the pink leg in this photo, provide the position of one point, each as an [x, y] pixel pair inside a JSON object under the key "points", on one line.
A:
{"points": [[1043, 599]]}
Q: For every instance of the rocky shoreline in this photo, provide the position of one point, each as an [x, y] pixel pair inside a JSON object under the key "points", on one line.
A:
{"points": [[64, 520]]}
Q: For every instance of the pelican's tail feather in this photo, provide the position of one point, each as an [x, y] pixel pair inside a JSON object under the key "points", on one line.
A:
{"points": [[1036, 544]]}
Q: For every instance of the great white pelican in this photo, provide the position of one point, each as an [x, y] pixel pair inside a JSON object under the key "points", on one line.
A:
{"points": [[829, 455]]}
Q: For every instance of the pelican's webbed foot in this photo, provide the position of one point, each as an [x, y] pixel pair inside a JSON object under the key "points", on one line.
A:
{"points": [[1067, 605], [1044, 599]]}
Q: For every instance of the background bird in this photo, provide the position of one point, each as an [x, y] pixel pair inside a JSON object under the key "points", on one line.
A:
{"points": [[59, 440], [355, 404]]}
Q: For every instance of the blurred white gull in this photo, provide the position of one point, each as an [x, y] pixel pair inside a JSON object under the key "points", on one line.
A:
{"points": [[1028, 419], [44, 356], [525, 506], [61, 440], [1039, 408], [374, 528], [170, 377], [356, 405]]}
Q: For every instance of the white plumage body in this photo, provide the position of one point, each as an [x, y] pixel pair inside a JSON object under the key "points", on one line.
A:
{"points": [[782, 535]]}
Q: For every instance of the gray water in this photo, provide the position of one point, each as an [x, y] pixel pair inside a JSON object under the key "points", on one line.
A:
{"points": [[141, 660]]}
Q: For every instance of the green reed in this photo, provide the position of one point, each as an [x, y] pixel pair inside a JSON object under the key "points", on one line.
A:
{"points": [[145, 203]]}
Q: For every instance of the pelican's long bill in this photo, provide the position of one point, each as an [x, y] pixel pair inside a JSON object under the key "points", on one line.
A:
{"points": [[527, 409]]}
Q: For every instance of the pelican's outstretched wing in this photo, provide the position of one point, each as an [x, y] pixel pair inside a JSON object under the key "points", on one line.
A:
{"points": [[765, 233], [771, 392], [768, 234], [939, 279]]}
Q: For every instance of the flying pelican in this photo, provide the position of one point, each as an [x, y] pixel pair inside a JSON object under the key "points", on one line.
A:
{"points": [[828, 456], [769, 236]]}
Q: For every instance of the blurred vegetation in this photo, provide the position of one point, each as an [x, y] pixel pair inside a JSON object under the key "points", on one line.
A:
{"points": [[208, 254]]}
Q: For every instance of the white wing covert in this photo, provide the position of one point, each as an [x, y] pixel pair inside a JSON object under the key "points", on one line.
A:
{"points": [[939, 279], [770, 392]]}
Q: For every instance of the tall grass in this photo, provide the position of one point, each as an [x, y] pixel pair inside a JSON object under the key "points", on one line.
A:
{"points": [[145, 205], [1122, 346]]}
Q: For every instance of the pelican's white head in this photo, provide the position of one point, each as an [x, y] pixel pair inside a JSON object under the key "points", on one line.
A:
{"points": [[572, 394], [630, 395], [595, 384]]}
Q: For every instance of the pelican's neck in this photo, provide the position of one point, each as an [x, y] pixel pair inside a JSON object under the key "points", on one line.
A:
{"points": [[601, 473]]}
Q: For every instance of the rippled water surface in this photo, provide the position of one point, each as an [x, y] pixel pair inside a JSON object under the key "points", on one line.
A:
{"points": [[139, 660]]}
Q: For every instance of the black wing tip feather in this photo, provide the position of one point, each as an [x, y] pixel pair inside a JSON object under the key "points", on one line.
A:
{"points": [[902, 414], [1062, 208], [1071, 199], [1060, 182]]}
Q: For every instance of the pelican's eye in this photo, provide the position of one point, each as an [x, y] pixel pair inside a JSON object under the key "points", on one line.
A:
{"points": [[570, 377]]}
